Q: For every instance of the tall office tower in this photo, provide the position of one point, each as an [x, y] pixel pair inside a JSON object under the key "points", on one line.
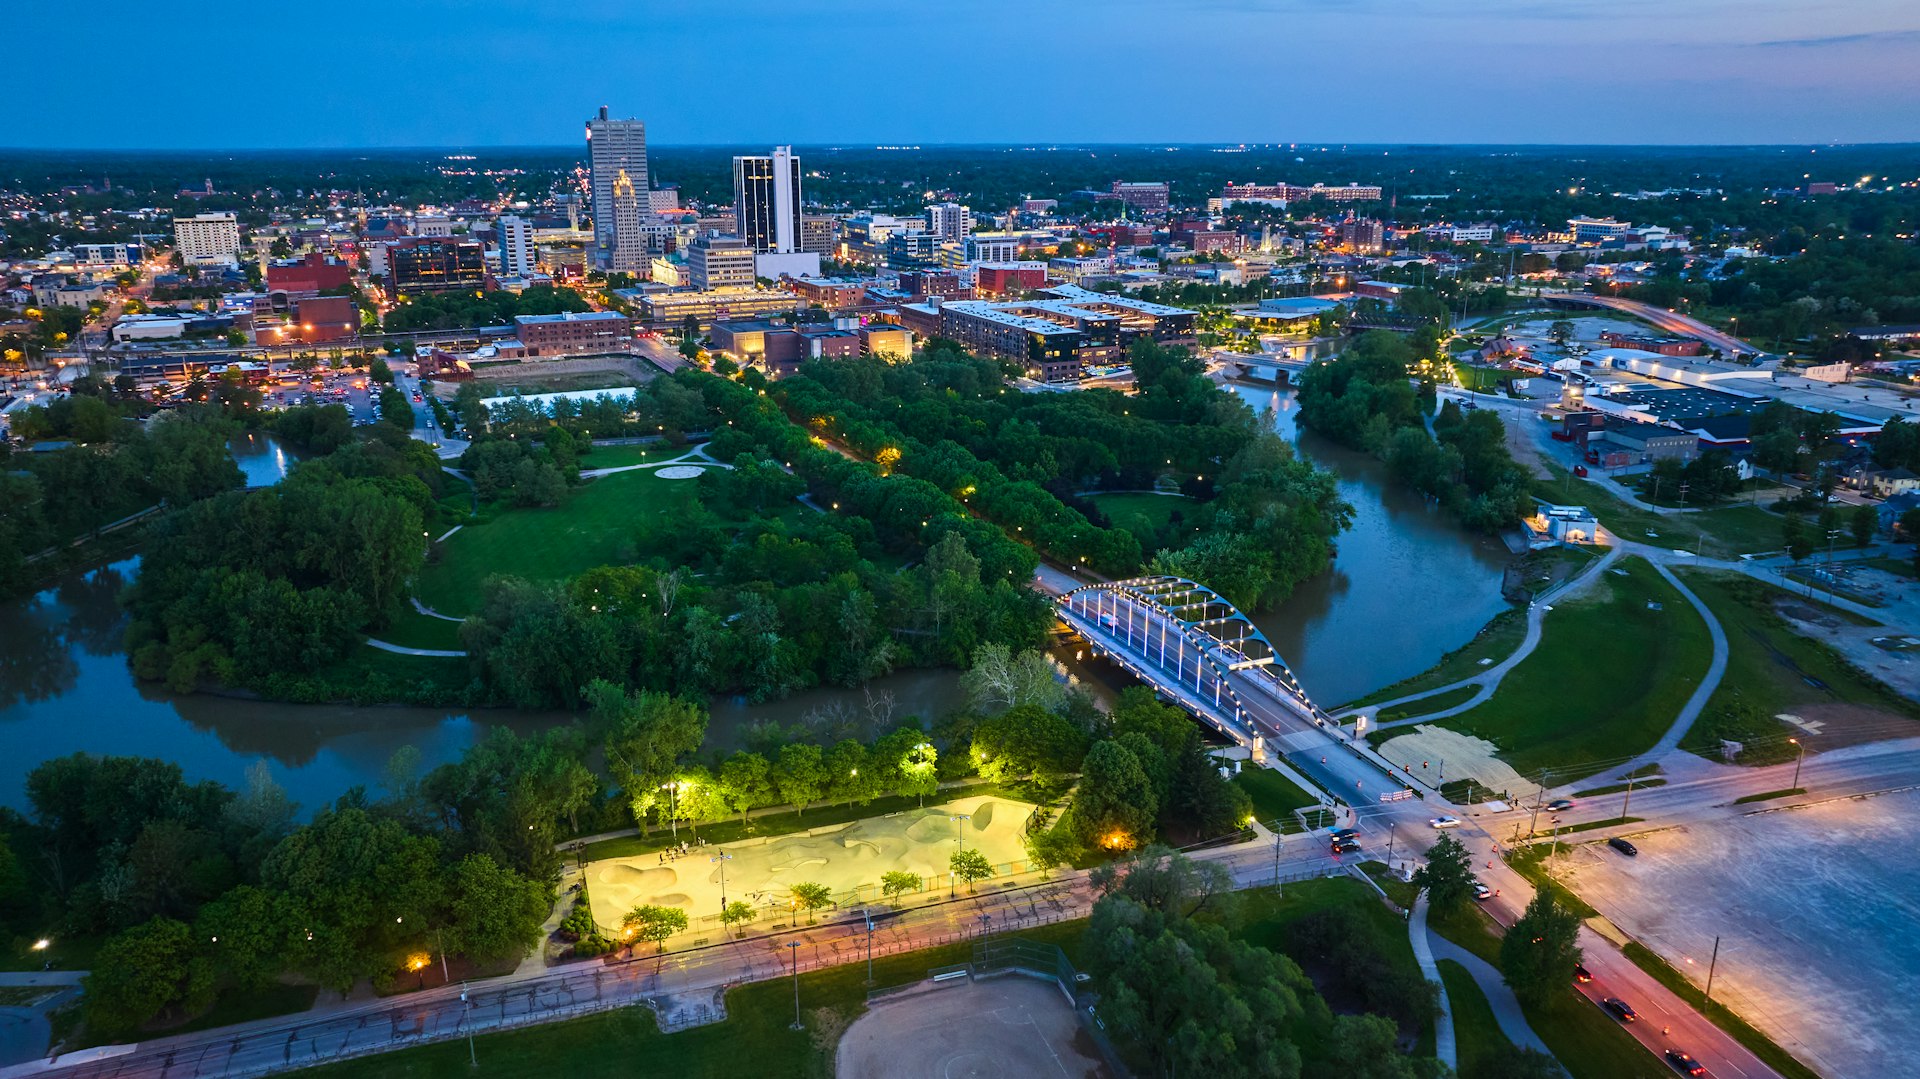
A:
{"points": [[629, 252], [766, 201], [950, 221], [614, 147], [516, 246]]}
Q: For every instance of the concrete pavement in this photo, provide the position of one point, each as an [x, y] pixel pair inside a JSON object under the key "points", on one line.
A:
{"points": [[1506, 1007], [1444, 1045]]}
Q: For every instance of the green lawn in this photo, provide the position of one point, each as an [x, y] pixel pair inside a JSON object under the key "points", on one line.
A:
{"points": [[1608, 678], [1899, 567], [1403, 893], [411, 629], [619, 456], [1589, 1043], [1729, 530], [1768, 666], [588, 530], [754, 1040], [1155, 510], [1426, 706], [1475, 1033], [1275, 797], [1495, 641]]}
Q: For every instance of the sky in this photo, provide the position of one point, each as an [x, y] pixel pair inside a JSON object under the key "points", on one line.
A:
{"points": [[528, 72]]}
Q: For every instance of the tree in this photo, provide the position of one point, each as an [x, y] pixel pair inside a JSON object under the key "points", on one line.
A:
{"points": [[737, 913], [1000, 680], [969, 865], [654, 923], [1115, 804], [1793, 533], [1027, 740], [246, 937], [646, 737], [1447, 875], [1863, 521], [356, 888], [495, 914], [141, 973], [1540, 950], [809, 896], [746, 781], [1367, 1047], [800, 774], [895, 883]]}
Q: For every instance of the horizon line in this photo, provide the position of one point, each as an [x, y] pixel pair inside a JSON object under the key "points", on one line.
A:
{"points": [[1030, 145]]}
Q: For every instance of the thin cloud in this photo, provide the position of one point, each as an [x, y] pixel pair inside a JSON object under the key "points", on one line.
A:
{"points": [[1873, 37]]}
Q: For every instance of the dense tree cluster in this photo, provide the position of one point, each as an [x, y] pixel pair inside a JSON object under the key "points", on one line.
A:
{"points": [[117, 467], [1366, 399], [207, 891], [249, 588], [467, 310]]}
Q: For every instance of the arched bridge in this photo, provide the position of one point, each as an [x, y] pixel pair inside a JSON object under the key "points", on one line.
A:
{"points": [[1193, 646]]}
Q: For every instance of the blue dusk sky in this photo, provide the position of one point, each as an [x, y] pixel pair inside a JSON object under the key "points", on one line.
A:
{"points": [[513, 72]]}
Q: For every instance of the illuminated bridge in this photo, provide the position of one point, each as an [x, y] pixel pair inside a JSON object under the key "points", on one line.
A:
{"points": [[1195, 648]]}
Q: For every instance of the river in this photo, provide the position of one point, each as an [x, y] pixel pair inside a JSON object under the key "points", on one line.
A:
{"points": [[1407, 587]]}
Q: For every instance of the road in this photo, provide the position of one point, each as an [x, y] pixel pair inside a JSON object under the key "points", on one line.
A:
{"points": [[1670, 321]]}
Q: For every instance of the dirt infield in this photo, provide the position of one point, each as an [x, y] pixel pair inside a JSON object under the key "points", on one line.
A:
{"points": [[1009, 1026]]}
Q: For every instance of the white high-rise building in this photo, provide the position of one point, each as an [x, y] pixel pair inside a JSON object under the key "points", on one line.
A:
{"points": [[950, 221], [516, 246], [205, 239], [630, 252], [766, 201], [614, 148]]}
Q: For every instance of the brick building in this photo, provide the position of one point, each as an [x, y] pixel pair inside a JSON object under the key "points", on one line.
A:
{"points": [[574, 333]]}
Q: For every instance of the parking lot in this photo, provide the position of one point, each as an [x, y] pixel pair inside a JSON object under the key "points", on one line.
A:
{"points": [[1817, 911]]}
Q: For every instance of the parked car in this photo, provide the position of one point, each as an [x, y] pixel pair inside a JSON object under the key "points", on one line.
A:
{"points": [[1445, 822], [1580, 471], [1621, 1009], [1623, 846], [1685, 1064], [1581, 974]]}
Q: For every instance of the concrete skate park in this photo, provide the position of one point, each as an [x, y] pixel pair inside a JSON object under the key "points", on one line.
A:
{"points": [[848, 858]]}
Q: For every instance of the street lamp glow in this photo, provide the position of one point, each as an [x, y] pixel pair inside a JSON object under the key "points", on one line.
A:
{"points": [[42, 944]]}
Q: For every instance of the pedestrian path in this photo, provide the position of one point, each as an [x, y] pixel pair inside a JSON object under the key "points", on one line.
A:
{"points": [[401, 650], [1506, 1007], [1444, 1045]]}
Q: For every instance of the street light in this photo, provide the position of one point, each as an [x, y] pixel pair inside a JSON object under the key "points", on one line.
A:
{"points": [[1797, 759], [953, 878], [722, 860]]}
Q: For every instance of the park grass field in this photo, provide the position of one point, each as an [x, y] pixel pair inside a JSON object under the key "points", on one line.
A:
{"points": [[1495, 642], [621, 456], [1476, 1034], [1155, 510], [410, 629], [1275, 797], [1610, 675], [587, 530], [1768, 667]]}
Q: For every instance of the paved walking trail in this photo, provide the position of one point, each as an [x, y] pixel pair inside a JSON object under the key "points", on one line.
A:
{"points": [[1506, 1007], [1444, 1046]]}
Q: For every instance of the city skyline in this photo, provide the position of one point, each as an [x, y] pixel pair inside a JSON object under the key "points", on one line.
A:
{"points": [[1582, 72]]}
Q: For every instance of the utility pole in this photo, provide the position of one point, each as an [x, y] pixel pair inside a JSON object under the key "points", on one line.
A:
{"points": [[1628, 800], [793, 950], [1711, 964], [1798, 759], [473, 1059]]}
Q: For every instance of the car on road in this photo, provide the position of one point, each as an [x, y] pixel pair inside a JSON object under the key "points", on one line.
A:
{"points": [[1481, 891], [1684, 1063], [1623, 846], [1445, 822], [1343, 833], [1560, 804], [1346, 846], [1621, 1009], [1581, 974]]}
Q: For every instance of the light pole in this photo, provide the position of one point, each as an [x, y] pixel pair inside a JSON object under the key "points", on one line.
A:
{"points": [[722, 860], [793, 950], [673, 807], [1276, 857], [953, 878], [869, 947], [1628, 800], [1797, 759], [473, 1059]]}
